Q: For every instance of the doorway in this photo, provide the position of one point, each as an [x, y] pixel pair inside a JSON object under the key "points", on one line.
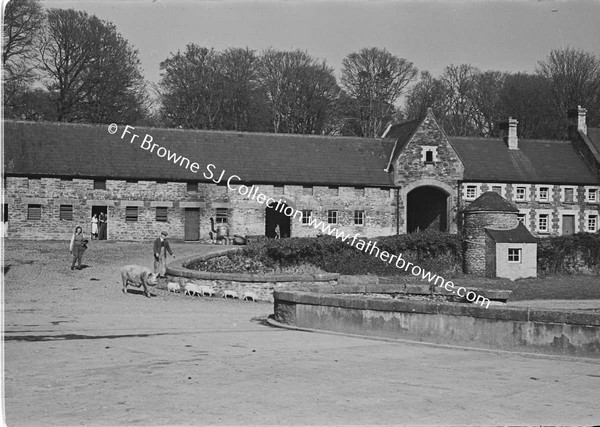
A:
{"points": [[568, 224], [192, 224], [274, 218], [427, 209], [102, 227]]}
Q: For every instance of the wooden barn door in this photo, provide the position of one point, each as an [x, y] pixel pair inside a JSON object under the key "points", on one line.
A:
{"points": [[192, 224]]}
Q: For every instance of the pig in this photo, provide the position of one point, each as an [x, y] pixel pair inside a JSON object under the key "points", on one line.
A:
{"points": [[229, 294], [191, 289], [138, 276], [206, 290], [173, 287], [249, 296]]}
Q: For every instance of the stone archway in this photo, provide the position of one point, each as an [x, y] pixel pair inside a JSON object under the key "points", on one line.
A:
{"points": [[430, 204], [426, 209]]}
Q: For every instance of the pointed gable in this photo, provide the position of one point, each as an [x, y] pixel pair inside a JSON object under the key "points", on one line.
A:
{"points": [[423, 151]]}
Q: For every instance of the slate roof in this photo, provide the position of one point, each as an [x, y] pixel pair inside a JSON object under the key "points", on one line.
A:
{"points": [[58, 149], [491, 201], [402, 133], [594, 136], [536, 161], [520, 234]]}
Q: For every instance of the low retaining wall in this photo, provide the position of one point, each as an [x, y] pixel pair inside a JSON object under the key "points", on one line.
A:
{"points": [[515, 329], [261, 285]]}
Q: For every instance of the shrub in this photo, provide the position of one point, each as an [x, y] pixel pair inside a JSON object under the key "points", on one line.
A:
{"points": [[576, 253]]}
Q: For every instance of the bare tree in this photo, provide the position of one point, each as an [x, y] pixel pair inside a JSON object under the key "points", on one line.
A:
{"points": [[91, 71], [374, 79], [574, 79], [23, 20]]}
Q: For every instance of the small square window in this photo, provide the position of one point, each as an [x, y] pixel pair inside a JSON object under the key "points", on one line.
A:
{"points": [[99, 184], [307, 190], [359, 217], [222, 215], [131, 213], [161, 213], [521, 217], [592, 223], [34, 212], [332, 217], [278, 190], [359, 191], [66, 213], [544, 194], [306, 216], [592, 195], [520, 193], [192, 187], [334, 191], [514, 254], [428, 156], [543, 223]]}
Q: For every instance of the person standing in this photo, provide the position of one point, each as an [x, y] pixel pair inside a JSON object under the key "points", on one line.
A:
{"points": [[77, 247], [102, 220], [94, 226], [161, 247]]}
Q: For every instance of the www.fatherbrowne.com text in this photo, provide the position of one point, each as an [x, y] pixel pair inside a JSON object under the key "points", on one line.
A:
{"points": [[252, 193]]}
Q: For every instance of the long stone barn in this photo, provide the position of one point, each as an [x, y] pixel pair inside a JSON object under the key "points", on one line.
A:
{"points": [[57, 175]]}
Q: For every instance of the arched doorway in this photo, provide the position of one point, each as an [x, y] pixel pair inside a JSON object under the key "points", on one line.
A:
{"points": [[276, 217], [427, 208]]}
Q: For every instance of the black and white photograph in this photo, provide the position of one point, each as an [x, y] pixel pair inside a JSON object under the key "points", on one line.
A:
{"points": [[300, 212]]}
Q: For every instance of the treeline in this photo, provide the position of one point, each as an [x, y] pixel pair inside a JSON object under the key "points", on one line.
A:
{"points": [[66, 65]]}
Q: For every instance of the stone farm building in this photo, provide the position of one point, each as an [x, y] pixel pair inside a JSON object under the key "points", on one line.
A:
{"points": [[415, 177]]}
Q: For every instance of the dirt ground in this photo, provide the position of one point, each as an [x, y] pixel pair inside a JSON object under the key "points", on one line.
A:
{"points": [[77, 351]]}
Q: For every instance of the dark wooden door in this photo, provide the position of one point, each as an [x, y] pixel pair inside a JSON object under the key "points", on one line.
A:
{"points": [[568, 225], [192, 224]]}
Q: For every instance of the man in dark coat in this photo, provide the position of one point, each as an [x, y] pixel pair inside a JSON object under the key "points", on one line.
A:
{"points": [[161, 247], [102, 226]]}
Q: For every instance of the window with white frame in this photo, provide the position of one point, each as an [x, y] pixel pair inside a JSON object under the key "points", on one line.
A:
{"points": [[429, 154], [514, 254], [591, 195], [592, 223], [470, 192], [543, 223], [569, 195], [359, 217], [544, 194], [520, 193], [521, 217], [332, 216], [306, 216]]}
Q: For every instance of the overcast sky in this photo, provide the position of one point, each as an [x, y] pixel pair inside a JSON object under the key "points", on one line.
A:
{"points": [[491, 35]]}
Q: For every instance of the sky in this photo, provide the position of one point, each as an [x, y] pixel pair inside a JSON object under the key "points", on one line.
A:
{"points": [[491, 35]]}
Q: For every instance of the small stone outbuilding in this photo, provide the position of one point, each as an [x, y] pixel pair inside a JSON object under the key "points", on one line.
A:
{"points": [[511, 253]]}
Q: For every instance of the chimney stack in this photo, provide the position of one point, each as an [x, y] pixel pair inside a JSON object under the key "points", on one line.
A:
{"points": [[577, 119], [510, 132]]}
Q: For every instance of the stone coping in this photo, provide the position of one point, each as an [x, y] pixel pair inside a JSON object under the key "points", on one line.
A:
{"points": [[359, 302], [176, 268]]}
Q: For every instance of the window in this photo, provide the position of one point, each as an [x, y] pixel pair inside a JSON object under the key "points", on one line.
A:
{"points": [[66, 213], [161, 213], [278, 189], [131, 213], [521, 217], [359, 217], [34, 212], [514, 255], [497, 189], [332, 217], [592, 223], [592, 195], [544, 194], [307, 190], [334, 191], [99, 184], [569, 192], [192, 187], [471, 192], [222, 215], [520, 193], [359, 191], [543, 223], [306, 216], [428, 156]]}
